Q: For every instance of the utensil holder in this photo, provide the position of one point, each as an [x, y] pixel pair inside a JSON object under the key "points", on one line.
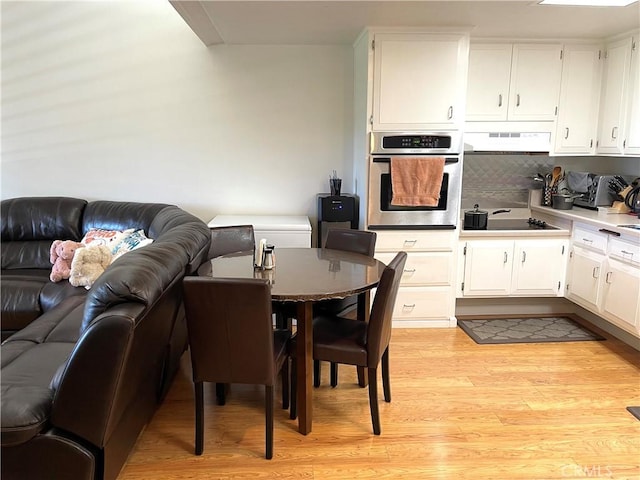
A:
{"points": [[335, 184], [547, 193]]}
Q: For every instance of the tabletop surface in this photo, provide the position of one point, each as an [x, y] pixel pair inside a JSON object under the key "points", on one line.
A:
{"points": [[303, 274]]}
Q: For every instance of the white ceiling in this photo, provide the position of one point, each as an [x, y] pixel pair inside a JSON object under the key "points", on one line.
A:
{"points": [[304, 22]]}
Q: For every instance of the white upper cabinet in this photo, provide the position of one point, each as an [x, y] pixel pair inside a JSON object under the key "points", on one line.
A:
{"points": [[614, 98], [419, 81], [488, 87], [632, 142], [577, 120], [514, 82], [535, 82]]}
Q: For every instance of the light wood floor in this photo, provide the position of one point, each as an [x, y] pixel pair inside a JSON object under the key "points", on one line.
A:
{"points": [[459, 411]]}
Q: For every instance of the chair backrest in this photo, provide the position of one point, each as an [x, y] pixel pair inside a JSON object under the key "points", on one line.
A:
{"points": [[379, 331], [230, 329], [237, 238], [357, 241]]}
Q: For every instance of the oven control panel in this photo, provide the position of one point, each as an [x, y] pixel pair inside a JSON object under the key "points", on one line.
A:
{"points": [[416, 141]]}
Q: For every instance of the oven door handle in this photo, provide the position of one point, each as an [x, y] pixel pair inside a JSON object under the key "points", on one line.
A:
{"points": [[388, 160]]}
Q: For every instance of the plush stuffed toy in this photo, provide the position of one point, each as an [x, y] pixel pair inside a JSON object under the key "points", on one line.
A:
{"points": [[88, 264], [61, 254]]}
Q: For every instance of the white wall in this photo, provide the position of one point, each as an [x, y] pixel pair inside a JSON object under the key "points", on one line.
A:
{"points": [[121, 101]]}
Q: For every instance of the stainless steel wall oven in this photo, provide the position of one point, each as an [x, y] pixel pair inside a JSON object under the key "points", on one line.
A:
{"points": [[381, 213]]}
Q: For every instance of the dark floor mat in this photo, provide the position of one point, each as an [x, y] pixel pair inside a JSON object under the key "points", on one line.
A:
{"points": [[635, 411], [526, 330]]}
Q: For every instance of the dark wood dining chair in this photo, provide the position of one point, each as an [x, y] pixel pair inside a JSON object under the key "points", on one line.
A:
{"points": [[357, 241], [364, 344], [232, 340], [226, 240], [231, 239]]}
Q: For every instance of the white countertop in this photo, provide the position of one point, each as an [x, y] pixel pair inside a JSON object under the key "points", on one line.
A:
{"points": [[599, 219], [264, 222]]}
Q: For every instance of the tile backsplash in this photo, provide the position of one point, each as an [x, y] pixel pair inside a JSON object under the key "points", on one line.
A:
{"points": [[504, 180], [501, 180]]}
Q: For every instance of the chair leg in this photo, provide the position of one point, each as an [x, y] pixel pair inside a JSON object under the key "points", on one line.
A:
{"points": [[334, 374], [221, 393], [284, 374], [268, 417], [386, 385], [293, 408], [317, 372], [373, 399], [199, 392]]}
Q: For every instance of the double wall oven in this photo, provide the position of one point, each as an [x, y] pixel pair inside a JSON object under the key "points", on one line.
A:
{"points": [[382, 213]]}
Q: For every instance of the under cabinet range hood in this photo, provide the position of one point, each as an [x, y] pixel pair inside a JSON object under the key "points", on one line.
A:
{"points": [[507, 142]]}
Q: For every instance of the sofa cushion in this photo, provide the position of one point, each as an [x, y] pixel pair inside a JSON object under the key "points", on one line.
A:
{"points": [[29, 225], [27, 294], [61, 324], [26, 394], [120, 215], [30, 359], [20, 302], [192, 235]]}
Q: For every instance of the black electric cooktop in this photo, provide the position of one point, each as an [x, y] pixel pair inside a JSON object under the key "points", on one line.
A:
{"points": [[519, 224]]}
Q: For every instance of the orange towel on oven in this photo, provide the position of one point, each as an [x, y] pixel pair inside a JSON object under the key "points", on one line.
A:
{"points": [[416, 181]]}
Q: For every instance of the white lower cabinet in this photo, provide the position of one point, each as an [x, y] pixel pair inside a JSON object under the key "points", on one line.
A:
{"points": [[585, 269], [604, 277], [426, 297], [620, 294], [487, 267], [495, 268]]}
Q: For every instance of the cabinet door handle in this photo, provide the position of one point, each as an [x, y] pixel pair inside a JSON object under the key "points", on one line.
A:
{"points": [[499, 99], [505, 257], [517, 99], [625, 253], [607, 278], [596, 272], [524, 257], [412, 306], [587, 240], [410, 243], [413, 270], [450, 113], [566, 133], [614, 133]]}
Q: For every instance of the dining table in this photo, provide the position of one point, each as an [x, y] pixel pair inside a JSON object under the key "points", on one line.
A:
{"points": [[306, 276]]}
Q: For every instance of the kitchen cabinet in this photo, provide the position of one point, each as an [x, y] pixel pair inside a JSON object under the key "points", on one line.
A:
{"points": [[577, 120], [523, 267], [419, 81], [614, 97], [426, 297], [513, 82], [488, 85], [583, 284], [632, 142], [620, 294], [604, 276]]}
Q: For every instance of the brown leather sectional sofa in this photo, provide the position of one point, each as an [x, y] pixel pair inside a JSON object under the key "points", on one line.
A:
{"points": [[84, 370]]}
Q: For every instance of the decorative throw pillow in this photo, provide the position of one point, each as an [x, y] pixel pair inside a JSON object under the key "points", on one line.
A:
{"points": [[130, 242], [109, 238]]}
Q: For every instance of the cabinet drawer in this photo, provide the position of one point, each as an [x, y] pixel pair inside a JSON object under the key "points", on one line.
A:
{"points": [[424, 268], [412, 240], [624, 251], [423, 302], [590, 239]]}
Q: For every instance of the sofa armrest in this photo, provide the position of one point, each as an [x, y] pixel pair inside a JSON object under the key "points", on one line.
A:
{"points": [[87, 385]]}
